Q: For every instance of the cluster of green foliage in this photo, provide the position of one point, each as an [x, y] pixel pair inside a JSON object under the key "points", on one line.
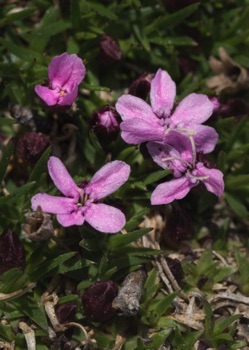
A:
{"points": [[150, 37]]}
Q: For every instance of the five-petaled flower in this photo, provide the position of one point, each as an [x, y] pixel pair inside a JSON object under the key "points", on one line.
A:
{"points": [[188, 168], [65, 73], [142, 122], [82, 201]]}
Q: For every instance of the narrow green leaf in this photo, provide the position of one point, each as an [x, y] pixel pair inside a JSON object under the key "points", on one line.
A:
{"points": [[17, 16], [21, 191], [30, 308], [120, 240], [221, 325], [136, 219], [224, 272], [209, 319], [237, 206], [157, 175], [170, 21], [162, 306], [40, 166], [47, 266], [75, 14], [5, 159]]}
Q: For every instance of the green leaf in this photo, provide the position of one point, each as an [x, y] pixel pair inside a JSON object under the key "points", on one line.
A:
{"points": [[234, 182], [100, 9], [40, 166], [21, 52], [173, 41], [12, 280], [48, 266], [19, 192], [136, 219], [170, 21], [17, 16], [157, 175], [75, 14], [141, 37], [5, 159], [161, 306], [119, 240], [221, 325], [209, 319], [30, 308], [224, 272], [237, 206]]}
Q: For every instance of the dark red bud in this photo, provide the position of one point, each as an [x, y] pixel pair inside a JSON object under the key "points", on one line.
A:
{"points": [[141, 86], [109, 49], [204, 344], [12, 253], [175, 268], [178, 227], [66, 312], [105, 123], [97, 300], [175, 5], [31, 145], [235, 107]]}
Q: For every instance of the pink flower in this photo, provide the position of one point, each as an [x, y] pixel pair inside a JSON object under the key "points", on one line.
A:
{"points": [[65, 73], [187, 167], [142, 122], [81, 202]]}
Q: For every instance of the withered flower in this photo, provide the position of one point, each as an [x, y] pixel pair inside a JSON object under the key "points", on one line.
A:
{"points": [[38, 225], [230, 76]]}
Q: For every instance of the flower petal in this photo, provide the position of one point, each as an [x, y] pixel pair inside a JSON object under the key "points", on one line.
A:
{"points": [[61, 178], [174, 189], [53, 204], [50, 97], [193, 109], [130, 107], [69, 98], [75, 218], [108, 179], [105, 218], [66, 70], [136, 131], [205, 138], [162, 93], [214, 183], [174, 157]]}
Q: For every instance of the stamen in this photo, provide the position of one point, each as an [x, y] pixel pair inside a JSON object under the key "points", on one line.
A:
{"points": [[179, 159]]}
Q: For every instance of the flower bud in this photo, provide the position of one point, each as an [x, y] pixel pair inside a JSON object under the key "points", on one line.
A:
{"points": [[109, 49], [105, 123], [204, 344], [234, 107], [141, 86], [175, 268], [31, 145], [97, 300], [66, 312], [12, 253], [216, 103], [178, 227]]}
